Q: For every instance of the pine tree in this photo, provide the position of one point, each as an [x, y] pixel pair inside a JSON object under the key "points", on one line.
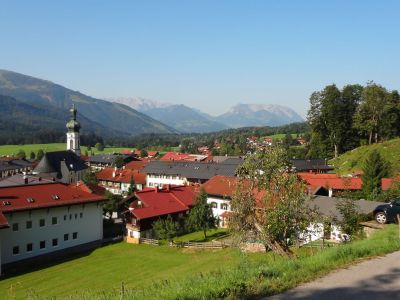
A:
{"points": [[201, 215], [375, 168]]}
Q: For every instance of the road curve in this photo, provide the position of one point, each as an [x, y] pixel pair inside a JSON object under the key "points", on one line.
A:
{"points": [[378, 278]]}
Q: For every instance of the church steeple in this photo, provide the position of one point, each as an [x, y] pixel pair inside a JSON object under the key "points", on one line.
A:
{"points": [[73, 126]]}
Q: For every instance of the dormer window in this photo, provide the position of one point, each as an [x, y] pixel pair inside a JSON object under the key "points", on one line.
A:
{"points": [[30, 200], [55, 197], [5, 203]]}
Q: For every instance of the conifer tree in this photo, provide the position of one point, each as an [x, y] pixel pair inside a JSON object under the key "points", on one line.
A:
{"points": [[375, 168]]}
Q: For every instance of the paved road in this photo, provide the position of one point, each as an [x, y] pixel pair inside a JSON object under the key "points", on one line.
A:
{"points": [[377, 278]]}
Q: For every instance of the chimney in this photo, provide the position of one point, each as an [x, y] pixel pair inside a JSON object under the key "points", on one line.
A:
{"points": [[113, 174], [156, 189], [168, 187]]}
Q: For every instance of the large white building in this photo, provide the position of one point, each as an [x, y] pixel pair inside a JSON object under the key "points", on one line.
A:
{"points": [[47, 219]]}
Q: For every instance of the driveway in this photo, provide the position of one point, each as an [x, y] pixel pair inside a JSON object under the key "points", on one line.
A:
{"points": [[378, 278]]}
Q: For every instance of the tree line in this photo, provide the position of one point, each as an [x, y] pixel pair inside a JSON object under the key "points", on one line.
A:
{"points": [[341, 120]]}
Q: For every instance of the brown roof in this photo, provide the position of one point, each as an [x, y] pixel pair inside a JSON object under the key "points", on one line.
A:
{"points": [[122, 175]]}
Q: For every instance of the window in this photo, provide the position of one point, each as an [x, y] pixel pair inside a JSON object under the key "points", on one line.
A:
{"points": [[66, 237], [214, 205], [54, 220], [15, 227], [15, 250], [70, 216], [54, 242], [74, 235], [29, 247], [42, 244], [42, 222], [28, 224], [81, 215], [65, 217], [224, 206], [76, 216]]}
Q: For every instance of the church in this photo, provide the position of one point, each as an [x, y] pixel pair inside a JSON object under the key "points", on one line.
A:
{"points": [[64, 166]]}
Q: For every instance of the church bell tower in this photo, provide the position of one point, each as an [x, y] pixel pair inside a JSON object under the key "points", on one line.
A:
{"points": [[73, 126]]}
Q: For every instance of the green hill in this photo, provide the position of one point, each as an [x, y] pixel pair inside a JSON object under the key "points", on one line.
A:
{"points": [[102, 114], [353, 160]]}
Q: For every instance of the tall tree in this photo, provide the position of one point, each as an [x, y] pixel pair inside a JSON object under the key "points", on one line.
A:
{"points": [[270, 203], [166, 229], [40, 154], [375, 168], [201, 215], [370, 112]]}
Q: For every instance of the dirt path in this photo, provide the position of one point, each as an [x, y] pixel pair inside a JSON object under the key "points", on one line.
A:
{"points": [[378, 278]]}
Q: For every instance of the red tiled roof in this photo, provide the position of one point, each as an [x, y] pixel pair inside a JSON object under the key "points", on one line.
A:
{"points": [[122, 175], [332, 181], [42, 196], [127, 152], [221, 186], [163, 202], [152, 153], [3, 221], [137, 165], [92, 188], [386, 183], [175, 156]]}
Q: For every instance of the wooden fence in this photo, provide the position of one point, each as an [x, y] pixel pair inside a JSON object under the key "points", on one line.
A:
{"points": [[149, 241], [199, 245]]}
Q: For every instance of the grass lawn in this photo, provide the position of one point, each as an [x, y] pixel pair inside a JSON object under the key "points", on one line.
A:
{"points": [[198, 236], [106, 268], [13, 149]]}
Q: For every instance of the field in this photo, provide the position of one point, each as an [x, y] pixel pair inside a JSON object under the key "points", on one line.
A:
{"points": [[354, 160], [13, 149], [107, 268]]}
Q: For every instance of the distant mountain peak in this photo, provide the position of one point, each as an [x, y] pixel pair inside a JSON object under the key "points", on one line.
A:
{"points": [[139, 103]]}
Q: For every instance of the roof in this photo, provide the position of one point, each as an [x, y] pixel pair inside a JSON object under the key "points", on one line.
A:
{"points": [[387, 183], [192, 170], [51, 162], [20, 179], [176, 156], [332, 181], [14, 164], [3, 221], [30, 197], [221, 186], [121, 175], [156, 203], [311, 164], [137, 164], [327, 206], [108, 158]]}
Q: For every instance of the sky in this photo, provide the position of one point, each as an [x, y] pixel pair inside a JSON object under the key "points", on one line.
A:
{"points": [[207, 54]]}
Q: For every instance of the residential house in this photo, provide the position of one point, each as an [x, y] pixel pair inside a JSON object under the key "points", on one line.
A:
{"points": [[160, 173], [118, 181], [316, 165], [41, 220], [153, 204], [176, 156], [12, 166], [100, 161]]}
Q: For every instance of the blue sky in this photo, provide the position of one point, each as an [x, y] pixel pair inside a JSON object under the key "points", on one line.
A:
{"points": [[205, 54]]}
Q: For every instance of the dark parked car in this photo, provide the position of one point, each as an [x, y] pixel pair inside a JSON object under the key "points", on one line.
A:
{"points": [[387, 212]]}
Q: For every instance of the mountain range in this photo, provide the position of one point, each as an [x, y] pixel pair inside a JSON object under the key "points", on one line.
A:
{"points": [[35, 103], [45, 97], [187, 119]]}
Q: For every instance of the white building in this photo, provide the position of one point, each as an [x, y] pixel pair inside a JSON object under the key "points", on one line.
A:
{"points": [[40, 220]]}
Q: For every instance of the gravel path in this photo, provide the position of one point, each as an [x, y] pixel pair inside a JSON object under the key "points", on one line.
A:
{"points": [[378, 278]]}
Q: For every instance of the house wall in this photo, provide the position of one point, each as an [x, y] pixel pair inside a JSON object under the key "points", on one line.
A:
{"points": [[218, 210], [86, 220], [160, 180]]}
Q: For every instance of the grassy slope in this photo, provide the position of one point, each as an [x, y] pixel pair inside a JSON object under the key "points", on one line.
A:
{"points": [[106, 268], [353, 160]]}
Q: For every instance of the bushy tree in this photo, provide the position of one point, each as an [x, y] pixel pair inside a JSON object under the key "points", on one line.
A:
{"points": [[201, 216], [166, 229], [350, 216], [270, 203], [32, 155], [112, 204], [89, 178], [375, 168], [21, 154], [143, 153], [119, 161], [39, 154], [99, 147], [132, 186]]}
